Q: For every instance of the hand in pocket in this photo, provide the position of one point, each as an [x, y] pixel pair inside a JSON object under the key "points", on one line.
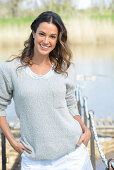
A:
{"points": [[84, 138], [19, 147]]}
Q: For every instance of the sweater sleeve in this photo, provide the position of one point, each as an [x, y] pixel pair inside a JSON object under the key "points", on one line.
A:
{"points": [[70, 93], [5, 92]]}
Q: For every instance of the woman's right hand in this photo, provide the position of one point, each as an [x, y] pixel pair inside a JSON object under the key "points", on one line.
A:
{"points": [[19, 147]]}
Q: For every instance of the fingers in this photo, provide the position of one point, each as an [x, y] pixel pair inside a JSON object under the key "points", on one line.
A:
{"points": [[80, 141], [23, 148], [85, 142], [83, 139], [27, 150], [88, 133]]}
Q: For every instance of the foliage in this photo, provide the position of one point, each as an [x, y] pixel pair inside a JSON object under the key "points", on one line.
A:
{"points": [[65, 8]]}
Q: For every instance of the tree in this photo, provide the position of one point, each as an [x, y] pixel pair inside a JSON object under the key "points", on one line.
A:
{"points": [[13, 6], [112, 6], [57, 5]]}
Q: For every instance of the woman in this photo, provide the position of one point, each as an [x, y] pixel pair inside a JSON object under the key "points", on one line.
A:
{"points": [[42, 84]]}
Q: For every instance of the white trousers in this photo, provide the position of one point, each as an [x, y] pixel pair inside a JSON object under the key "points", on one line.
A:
{"points": [[76, 160]]}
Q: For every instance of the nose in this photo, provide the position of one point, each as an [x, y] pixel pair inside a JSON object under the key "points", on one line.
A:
{"points": [[46, 40]]}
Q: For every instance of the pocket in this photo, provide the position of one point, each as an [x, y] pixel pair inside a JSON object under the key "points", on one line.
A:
{"points": [[84, 145], [59, 96], [23, 153], [58, 101]]}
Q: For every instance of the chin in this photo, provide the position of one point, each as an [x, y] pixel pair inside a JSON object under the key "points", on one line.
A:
{"points": [[44, 52]]}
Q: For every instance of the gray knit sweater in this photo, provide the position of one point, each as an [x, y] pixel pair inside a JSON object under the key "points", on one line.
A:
{"points": [[45, 108]]}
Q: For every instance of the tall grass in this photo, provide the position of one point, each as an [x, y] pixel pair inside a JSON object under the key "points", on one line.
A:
{"points": [[80, 31], [87, 31], [14, 35]]}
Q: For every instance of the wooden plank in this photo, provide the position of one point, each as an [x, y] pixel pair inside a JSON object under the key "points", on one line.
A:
{"points": [[92, 148]]}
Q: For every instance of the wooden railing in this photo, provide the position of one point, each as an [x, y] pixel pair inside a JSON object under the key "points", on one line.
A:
{"points": [[3, 146], [13, 125], [91, 124]]}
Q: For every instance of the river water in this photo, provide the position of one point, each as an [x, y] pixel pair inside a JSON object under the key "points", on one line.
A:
{"points": [[95, 74]]}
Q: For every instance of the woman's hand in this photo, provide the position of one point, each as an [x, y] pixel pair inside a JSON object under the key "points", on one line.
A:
{"points": [[85, 137], [19, 147]]}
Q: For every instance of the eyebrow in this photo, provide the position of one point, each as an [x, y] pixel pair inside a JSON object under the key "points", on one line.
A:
{"points": [[44, 33]]}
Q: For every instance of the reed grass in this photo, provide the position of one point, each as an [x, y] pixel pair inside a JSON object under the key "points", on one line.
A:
{"points": [[87, 31], [80, 31]]}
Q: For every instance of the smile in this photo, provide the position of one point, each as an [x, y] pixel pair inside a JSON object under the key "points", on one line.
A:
{"points": [[44, 46]]}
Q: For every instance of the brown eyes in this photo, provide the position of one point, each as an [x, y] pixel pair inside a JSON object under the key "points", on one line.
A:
{"points": [[52, 36], [42, 34]]}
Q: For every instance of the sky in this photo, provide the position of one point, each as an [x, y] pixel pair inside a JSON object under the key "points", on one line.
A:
{"points": [[84, 4], [80, 4]]}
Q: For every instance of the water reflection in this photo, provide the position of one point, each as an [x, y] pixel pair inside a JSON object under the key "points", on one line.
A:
{"points": [[100, 96], [95, 73]]}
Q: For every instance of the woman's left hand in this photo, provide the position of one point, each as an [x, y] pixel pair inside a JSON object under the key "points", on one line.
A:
{"points": [[84, 138]]}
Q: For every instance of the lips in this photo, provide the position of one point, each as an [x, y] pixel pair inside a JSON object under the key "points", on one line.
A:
{"points": [[44, 47]]}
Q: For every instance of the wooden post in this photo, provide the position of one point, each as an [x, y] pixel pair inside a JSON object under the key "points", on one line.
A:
{"points": [[92, 148], [3, 143]]}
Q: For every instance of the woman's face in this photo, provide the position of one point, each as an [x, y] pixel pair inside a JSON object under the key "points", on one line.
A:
{"points": [[45, 38]]}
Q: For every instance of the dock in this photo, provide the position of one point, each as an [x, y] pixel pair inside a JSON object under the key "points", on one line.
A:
{"points": [[105, 128]]}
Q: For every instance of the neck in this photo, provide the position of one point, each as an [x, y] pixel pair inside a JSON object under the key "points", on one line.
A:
{"points": [[40, 59]]}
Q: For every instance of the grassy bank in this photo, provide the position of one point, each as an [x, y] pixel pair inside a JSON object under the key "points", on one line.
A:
{"points": [[15, 21], [103, 17], [80, 31], [80, 14]]}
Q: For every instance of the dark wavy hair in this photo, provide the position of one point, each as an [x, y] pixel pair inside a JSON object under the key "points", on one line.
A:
{"points": [[60, 55]]}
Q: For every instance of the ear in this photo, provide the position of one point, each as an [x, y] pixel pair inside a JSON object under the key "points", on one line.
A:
{"points": [[33, 33]]}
